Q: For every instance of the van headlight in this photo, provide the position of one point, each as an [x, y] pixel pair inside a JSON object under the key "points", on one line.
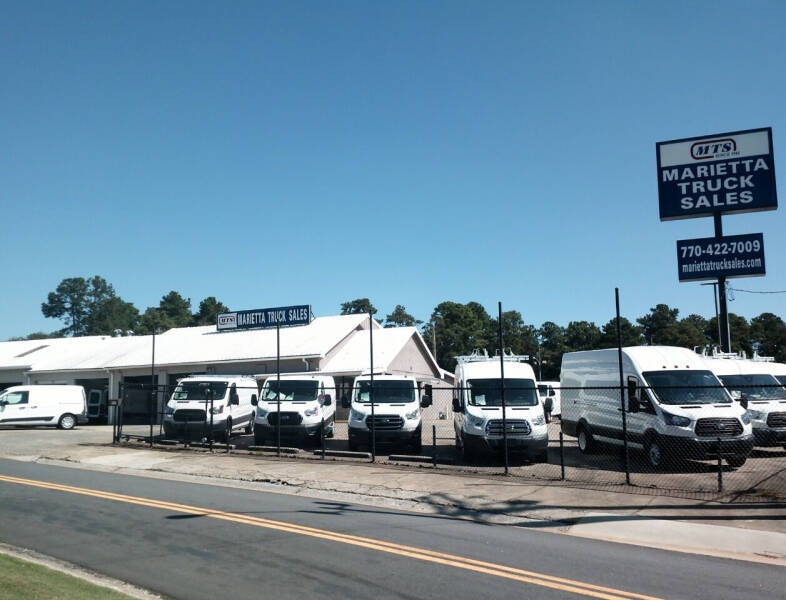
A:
{"points": [[675, 420], [356, 415], [217, 410], [756, 414], [539, 420], [261, 411], [412, 415], [746, 418], [310, 412], [170, 411], [475, 421]]}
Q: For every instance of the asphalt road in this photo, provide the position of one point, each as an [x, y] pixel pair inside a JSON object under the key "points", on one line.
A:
{"points": [[191, 540]]}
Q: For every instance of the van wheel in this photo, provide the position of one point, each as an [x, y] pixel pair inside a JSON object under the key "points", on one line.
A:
{"points": [[227, 434], [655, 457], [250, 427], [259, 439], [467, 454], [585, 440], [353, 446], [417, 446], [329, 430], [736, 461], [67, 421], [542, 457]]}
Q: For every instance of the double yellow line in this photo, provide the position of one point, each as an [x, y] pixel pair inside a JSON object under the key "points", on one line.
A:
{"points": [[459, 562]]}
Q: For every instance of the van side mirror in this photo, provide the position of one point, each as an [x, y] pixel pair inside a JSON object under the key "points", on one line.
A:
{"points": [[327, 401], [633, 388], [457, 405], [548, 405], [744, 401], [234, 398], [634, 405], [344, 401], [426, 398], [254, 401]]}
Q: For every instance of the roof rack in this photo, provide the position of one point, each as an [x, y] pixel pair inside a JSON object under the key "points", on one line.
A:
{"points": [[757, 358], [481, 354]]}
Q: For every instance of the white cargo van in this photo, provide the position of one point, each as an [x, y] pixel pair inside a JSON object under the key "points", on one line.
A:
{"points": [[306, 402], [477, 407], [59, 405], [228, 397], [676, 407], [550, 397], [757, 390], [398, 399], [777, 370]]}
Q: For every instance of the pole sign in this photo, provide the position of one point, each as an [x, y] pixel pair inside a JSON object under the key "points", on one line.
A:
{"points": [[264, 318], [723, 173], [728, 256]]}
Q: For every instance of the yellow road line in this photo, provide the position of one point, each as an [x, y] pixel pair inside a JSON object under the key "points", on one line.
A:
{"points": [[468, 564]]}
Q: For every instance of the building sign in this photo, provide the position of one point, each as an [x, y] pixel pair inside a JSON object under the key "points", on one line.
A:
{"points": [[728, 256], [264, 318], [723, 173]]}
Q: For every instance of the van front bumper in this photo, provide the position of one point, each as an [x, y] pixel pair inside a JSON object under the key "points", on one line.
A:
{"points": [[289, 431], [193, 428], [769, 436], [384, 436], [530, 445], [700, 449]]}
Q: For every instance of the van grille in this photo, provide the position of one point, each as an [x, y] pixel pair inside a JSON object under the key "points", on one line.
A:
{"points": [[385, 422], [513, 427], [189, 414], [287, 418], [718, 427], [777, 419]]}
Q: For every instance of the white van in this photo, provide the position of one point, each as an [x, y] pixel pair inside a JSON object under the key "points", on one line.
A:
{"points": [[477, 407], [676, 407], [228, 397], [59, 405], [550, 398], [777, 370], [757, 390], [398, 400], [306, 402]]}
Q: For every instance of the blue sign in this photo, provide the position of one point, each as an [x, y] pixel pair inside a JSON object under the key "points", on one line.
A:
{"points": [[264, 318], [728, 256], [723, 173]]}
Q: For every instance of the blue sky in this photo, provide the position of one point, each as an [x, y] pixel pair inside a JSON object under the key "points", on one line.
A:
{"points": [[410, 152]]}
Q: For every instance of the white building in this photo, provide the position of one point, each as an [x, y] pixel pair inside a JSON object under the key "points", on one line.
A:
{"points": [[336, 345]]}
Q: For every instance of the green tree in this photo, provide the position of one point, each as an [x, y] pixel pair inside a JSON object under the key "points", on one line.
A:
{"points": [[401, 318], [208, 311], [768, 332], [656, 325], [552, 346], [739, 330], [582, 335], [517, 336], [357, 306], [630, 334], [82, 303], [38, 335], [111, 315], [461, 328], [176, 309]]}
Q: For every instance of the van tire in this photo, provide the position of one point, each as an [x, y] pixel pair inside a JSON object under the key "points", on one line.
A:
{"points": [[585, 440], [467, 455], [227, 433], [250, 427], [656, 458], [417, 446], [736, 460], [67, 421], [259, 439], [353, 446], [542, 457]]}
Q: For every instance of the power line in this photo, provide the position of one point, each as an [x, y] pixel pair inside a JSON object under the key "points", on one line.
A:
{"points": [[757, 292]]}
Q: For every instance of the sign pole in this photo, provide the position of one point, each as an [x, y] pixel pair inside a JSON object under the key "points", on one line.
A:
{"points": [[502, 389], [371, 392], [725, 334], [278, 390]]}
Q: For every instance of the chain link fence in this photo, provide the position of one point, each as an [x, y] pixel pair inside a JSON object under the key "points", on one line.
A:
{"points": [[671, 442]]}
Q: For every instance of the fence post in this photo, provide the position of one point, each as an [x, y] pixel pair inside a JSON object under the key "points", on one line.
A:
{"points": [[720, 466], [562, 455], [153, 412], [322, 437], [434, 445]]}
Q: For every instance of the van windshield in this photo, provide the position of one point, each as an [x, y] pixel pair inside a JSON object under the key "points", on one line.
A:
{"points": [[686, 387], [488, 392], [781, 379], [291, 391], [200, 390], [765, 387], [386, 390]]}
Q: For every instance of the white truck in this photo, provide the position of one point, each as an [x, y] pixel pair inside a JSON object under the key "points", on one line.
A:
{"points": [[62, 406], [477, 407], [550, 397], [226, 401], [306, 401], [397, 403], [756, 389], [676, 408]]}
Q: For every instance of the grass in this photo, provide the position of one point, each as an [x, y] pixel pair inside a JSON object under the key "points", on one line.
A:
{"points": [[23, 580]]}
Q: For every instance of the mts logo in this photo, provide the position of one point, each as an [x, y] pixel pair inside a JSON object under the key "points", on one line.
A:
{"points": [[712, 148]]}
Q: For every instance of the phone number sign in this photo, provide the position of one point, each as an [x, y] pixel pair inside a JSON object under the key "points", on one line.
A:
{"points": [[728, 256]]}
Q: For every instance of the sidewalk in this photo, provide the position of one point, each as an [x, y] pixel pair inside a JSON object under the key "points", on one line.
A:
{"points": [[750, 531]]}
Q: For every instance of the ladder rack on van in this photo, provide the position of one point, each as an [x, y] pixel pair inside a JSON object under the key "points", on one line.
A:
{"points": [[757, 358], [483, 355]]}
